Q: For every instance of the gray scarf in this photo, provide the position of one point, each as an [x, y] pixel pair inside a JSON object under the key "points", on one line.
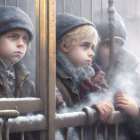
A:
{"points": [[76, 72]]}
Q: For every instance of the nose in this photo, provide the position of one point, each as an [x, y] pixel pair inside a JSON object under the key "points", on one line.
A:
{"points": [[91, 53], [20, 43]]}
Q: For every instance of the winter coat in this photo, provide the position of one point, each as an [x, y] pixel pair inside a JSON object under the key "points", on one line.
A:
{"points": [[20, 87], [125, 78], [75, 82]]}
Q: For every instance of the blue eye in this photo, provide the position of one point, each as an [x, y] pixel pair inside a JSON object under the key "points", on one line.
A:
{"points": [[84, 46], [11, 36], [25, 39]]}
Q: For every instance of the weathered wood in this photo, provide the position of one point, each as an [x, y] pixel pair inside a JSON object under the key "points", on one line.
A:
{"points": [[23, 105], [46, 63], [27, 123]]}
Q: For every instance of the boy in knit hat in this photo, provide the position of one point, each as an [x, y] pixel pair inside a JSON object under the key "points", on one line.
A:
{"points": [[16, 33], [76, 40]]}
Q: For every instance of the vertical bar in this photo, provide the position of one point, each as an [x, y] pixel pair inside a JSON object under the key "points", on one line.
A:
{"points": [[4, 2], [16, 3], [66, 134], [105, 132], [116, 131], [102, 9], [42, 135], [63, 6], [91, 10], [81, 8], [22, 135], [51, 66], [81, 133], [71, 11], [6, 129], [0, 131], [95, 133], [111, 12], [46, 63]]}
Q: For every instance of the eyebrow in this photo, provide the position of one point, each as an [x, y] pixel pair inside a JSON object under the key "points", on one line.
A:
{"points": [[17, 33]]}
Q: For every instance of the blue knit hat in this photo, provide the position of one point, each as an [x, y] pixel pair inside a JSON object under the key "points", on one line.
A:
{"points": [[12, 17]]}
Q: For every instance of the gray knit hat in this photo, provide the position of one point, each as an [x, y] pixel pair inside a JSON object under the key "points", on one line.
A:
{"points": [[66, 22], [12, 17], [101, 22]]}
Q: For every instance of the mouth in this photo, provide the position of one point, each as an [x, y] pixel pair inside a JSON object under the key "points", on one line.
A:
{"points": [[19, 52], [89, 61]]}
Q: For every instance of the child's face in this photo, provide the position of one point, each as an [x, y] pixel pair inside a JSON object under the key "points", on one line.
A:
{"points": [[104, 51], [13, 45], [82, 53]]}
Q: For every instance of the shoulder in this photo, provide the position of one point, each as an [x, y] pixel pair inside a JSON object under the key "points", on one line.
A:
{"points": [[128, 59]]}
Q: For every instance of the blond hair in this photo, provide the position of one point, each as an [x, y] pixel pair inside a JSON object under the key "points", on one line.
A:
{"points": [[73, 37]]}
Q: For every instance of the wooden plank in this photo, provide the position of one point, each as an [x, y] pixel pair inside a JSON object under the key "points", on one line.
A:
{"points": [[27, 123], [51, 65], [23, 105], [46, 62]]}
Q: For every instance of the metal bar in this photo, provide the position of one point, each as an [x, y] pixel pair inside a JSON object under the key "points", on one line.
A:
{"points": [[9, 113], [42, 135], [91, 10], [66, 134], [95, 133], [79, 118], [81, 133], [0, 131], [6, 129], [23, 105], [81, 8], [116, 132], [64, 6], [111, 12], [22, 135], [16, 3], [5, 2], [105, 132], [27, 123], [47, 62]]}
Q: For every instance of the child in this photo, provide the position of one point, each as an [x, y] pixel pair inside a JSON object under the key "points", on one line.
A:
{"points": [[16, 33], [76, 40], [123, 75]]}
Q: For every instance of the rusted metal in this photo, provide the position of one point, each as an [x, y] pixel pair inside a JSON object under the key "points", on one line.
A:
{"points": [[105, 132], [116, 131], [23, 105], [22, 135], [111, 12], [81, 133], [46, 62]]}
